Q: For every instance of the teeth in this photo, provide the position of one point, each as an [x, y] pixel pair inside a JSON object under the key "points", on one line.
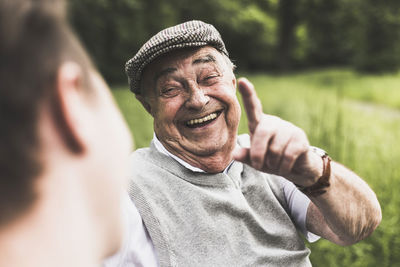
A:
{"points": [[201, 120]]}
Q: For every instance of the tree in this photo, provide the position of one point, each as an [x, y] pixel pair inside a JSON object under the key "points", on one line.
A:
{"points": [[377, 39], [287, 22]]}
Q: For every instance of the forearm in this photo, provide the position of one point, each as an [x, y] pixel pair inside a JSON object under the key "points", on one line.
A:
{"points": [[349, 208]]}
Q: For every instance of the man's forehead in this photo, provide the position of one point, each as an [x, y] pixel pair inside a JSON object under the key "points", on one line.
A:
{"points": [[191, 56]]}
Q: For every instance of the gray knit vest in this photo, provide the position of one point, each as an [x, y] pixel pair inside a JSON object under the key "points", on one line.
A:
{"points": [[199, 219]]}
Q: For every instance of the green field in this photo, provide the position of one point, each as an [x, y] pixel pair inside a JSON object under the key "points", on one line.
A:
{"points": [[356, 118]]}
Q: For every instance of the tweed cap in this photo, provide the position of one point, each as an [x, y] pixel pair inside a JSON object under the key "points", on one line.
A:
{"points": [[193, 33]]}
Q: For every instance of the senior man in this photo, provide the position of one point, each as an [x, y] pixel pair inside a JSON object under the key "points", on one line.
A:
{"points": [[209, 198]]}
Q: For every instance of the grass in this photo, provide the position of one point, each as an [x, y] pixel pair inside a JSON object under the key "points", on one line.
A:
{"points": [[139, 121], [356, 118], [379, 89]]}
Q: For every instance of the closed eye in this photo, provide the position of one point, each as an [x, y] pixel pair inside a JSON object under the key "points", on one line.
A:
{"points": [[169, 92], [210, 80], [211, 77]]}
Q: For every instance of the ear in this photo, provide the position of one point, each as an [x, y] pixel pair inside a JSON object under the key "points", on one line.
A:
{"points": [[67, 106], [234, 82], [145, 104]]}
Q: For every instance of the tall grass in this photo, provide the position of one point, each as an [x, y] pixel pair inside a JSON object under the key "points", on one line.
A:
{"points": [[332, 107]]}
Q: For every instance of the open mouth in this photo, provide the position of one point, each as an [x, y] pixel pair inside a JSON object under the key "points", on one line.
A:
{"points": [[200, 122]]}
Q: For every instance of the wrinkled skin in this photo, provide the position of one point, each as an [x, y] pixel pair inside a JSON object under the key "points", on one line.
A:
{"points": [[188, 85]]}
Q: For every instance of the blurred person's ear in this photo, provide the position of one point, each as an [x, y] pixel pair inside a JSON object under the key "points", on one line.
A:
{"points": [[69, 107]]}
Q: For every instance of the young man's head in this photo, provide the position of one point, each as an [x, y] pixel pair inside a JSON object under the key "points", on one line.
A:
{"points": [[63, 142]]}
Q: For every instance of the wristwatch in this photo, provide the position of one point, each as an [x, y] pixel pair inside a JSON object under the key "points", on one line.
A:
{"points": [[319, 151], [322, 183]]}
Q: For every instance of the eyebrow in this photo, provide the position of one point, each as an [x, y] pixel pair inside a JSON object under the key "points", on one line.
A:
{"points": [[164, 72], [204, 59]]}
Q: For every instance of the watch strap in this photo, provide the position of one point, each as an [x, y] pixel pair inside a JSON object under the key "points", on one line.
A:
{"points": [[322, 183]]}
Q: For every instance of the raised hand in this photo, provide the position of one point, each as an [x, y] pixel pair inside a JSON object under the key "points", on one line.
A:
{"points": [[277, 146]]}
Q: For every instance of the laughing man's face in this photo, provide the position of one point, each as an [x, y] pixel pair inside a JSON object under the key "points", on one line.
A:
{"points": [[191, 94]]}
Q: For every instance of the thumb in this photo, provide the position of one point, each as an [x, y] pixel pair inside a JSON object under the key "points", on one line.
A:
{"points": [[241, 154]]}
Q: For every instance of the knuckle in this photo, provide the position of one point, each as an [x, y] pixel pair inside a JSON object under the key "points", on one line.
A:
{"points": [[267, 123], [263, 131], [298, 149], [305, 147], [275, 149], [300, 138]]}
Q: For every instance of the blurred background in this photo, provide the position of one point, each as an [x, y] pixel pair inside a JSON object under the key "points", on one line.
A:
{"points": [[329, 66], [260, 35]]}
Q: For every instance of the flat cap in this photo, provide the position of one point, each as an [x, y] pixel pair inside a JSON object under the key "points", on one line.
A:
{"points": [[193, 33]]}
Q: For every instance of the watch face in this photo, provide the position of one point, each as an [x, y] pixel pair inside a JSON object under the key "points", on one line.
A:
{"points": [[320, 152]]}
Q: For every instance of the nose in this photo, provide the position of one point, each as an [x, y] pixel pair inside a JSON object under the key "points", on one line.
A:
{"points": [[197, 99]]}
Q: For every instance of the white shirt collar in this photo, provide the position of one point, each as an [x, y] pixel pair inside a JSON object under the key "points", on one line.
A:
{"points": [[164, 151]]}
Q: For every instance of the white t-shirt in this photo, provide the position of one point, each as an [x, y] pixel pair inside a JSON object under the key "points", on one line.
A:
{"points": [[138, 249]]}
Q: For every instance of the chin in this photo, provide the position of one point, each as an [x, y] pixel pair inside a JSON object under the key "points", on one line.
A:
{"points": [[205, 151]]}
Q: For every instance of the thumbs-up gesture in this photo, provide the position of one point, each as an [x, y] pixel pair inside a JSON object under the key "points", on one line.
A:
{"points": [[277, 146]]}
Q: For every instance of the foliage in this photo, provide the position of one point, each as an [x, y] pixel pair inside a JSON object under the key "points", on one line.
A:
{"points": [[377, 36], [113, 30], [259, 34], [331, 107], [328, 37]]}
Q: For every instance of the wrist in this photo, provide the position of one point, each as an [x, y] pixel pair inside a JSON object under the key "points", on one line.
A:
{"points": [[323, 181]]}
